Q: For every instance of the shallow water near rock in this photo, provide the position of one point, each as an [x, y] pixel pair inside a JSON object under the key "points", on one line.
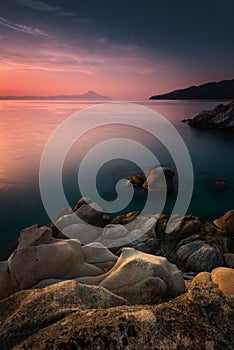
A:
{"points": [[27, 125]]}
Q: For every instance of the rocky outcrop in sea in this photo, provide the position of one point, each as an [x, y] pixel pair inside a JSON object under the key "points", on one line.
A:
{"points": [[81, 282], [221, 117]]}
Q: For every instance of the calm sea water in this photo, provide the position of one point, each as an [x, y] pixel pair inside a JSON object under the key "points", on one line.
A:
{"points": [[25, 127]]}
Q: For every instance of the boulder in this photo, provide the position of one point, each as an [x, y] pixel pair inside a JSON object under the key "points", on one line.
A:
{"points": [[67, 220], [141, 278], [34, 235], [226, 222], [8, 283], [96, 253], [229, 260], [137, 180], [156, 178], [224, 278], [28, 311], [92, 216], [83, 232], [125, 218], [61, 259], [199, 256], [202, 319]]}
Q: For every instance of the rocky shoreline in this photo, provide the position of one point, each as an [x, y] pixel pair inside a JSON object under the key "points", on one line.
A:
{"points": [[81, 283], [221, 117]]}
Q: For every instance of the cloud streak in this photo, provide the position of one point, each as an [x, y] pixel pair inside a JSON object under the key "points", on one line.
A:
{"points": [[44, 7], [24, 28]]}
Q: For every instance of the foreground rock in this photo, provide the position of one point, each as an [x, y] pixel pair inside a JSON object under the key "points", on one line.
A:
{"points": [[200, 319], [141, 278], [221, 116], [25, 312]]}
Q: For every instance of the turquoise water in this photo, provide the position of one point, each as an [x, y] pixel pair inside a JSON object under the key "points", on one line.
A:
{"points": [[26, 126]]}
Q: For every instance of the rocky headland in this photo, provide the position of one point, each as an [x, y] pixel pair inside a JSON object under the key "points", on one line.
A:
{"points": [[221, 117], [88, 281], [210, 91]]}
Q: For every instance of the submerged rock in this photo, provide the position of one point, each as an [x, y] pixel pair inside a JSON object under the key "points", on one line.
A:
{"points": [[217, 185]]}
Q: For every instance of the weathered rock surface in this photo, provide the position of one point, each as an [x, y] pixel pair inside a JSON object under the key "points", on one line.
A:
{"points": [[200, 319], [223, 277], [28, 311], [141, 278], [199, 256], [221, 116]]}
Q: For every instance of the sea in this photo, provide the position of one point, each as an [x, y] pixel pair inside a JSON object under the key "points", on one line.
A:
{"points": [[28, 126]]}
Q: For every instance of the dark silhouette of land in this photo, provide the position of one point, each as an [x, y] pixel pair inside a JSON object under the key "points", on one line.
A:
{"points": [[210, 91]]}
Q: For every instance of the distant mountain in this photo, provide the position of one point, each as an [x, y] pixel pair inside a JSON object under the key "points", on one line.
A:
{"points": [[210, 91], [87, 96]]}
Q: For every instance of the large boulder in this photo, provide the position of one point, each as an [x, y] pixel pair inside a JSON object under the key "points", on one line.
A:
{"points": [[223, 277], [83, 232], [226, 222], [92, 214], [202, 319], [34, 235], [156, 178], [62, 259], [199, 256], [141, 278], [28, 311], [99, 255], [8, 283]]}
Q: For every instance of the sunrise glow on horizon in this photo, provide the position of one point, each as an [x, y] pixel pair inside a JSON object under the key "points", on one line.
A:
{"points": [[66, 48]]}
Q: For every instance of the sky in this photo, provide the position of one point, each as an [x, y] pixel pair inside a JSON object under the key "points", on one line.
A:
{"points": [[126, 49]]}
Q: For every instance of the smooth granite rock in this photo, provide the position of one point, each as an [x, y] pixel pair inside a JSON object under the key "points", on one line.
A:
{"points": [[141, 278], [34, 235], [61, 259]]}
